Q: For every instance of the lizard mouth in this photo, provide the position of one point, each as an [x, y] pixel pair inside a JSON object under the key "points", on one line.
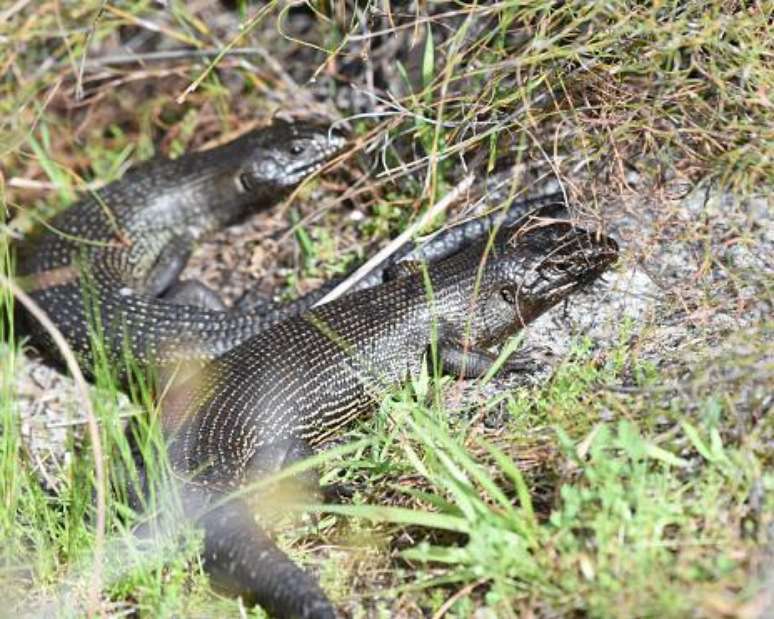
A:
{"points": [[576, 262]]}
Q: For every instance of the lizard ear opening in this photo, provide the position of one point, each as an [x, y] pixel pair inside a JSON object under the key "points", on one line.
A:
{"points": [[508, 294], [244, 182]]}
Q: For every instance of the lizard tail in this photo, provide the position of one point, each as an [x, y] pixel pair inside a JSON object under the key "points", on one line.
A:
{"points": [[241, 557]]}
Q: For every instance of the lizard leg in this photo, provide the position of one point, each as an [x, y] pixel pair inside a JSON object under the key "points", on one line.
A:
{"points": [[241, 558], [163, 281], [169, 264], [238, 555], [471, 362], [254, 301], [281, 454], [194, 292]]}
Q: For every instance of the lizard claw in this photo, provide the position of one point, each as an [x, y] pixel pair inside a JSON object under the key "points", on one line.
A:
{"points": [[337, 492], [528, 359]]}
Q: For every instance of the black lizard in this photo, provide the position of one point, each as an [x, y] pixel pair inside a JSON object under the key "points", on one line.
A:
{"points": [[267, 402]]}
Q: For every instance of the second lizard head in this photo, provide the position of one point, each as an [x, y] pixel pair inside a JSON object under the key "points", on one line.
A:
{"points": [[277, 158]]}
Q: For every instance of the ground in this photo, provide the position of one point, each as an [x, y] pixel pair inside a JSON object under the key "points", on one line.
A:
{"points": [[629, 474]]}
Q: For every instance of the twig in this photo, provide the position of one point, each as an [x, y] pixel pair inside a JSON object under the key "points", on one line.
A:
{"points": [[176, 54], [12, 10], [252, 23], [81, 421], [37, 312], [399, 240], [457, 596], [29, 183]]}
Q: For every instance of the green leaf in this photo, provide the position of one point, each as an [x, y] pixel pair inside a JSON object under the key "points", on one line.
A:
{"points": [[55, 173], [657, 453], [428, 59], [716, 444], [421, 384], [510, 469], [397, 515], [693, 436], [437, 554], [510, 347], [304, 240], [436, 501]]}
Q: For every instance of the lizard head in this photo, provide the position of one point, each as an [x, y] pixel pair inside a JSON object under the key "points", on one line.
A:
{"points": [[529, 271], [279, 157]]}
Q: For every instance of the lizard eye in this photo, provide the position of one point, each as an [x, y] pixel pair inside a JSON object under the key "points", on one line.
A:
{"points": [[297, 149], [508, 294]]}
